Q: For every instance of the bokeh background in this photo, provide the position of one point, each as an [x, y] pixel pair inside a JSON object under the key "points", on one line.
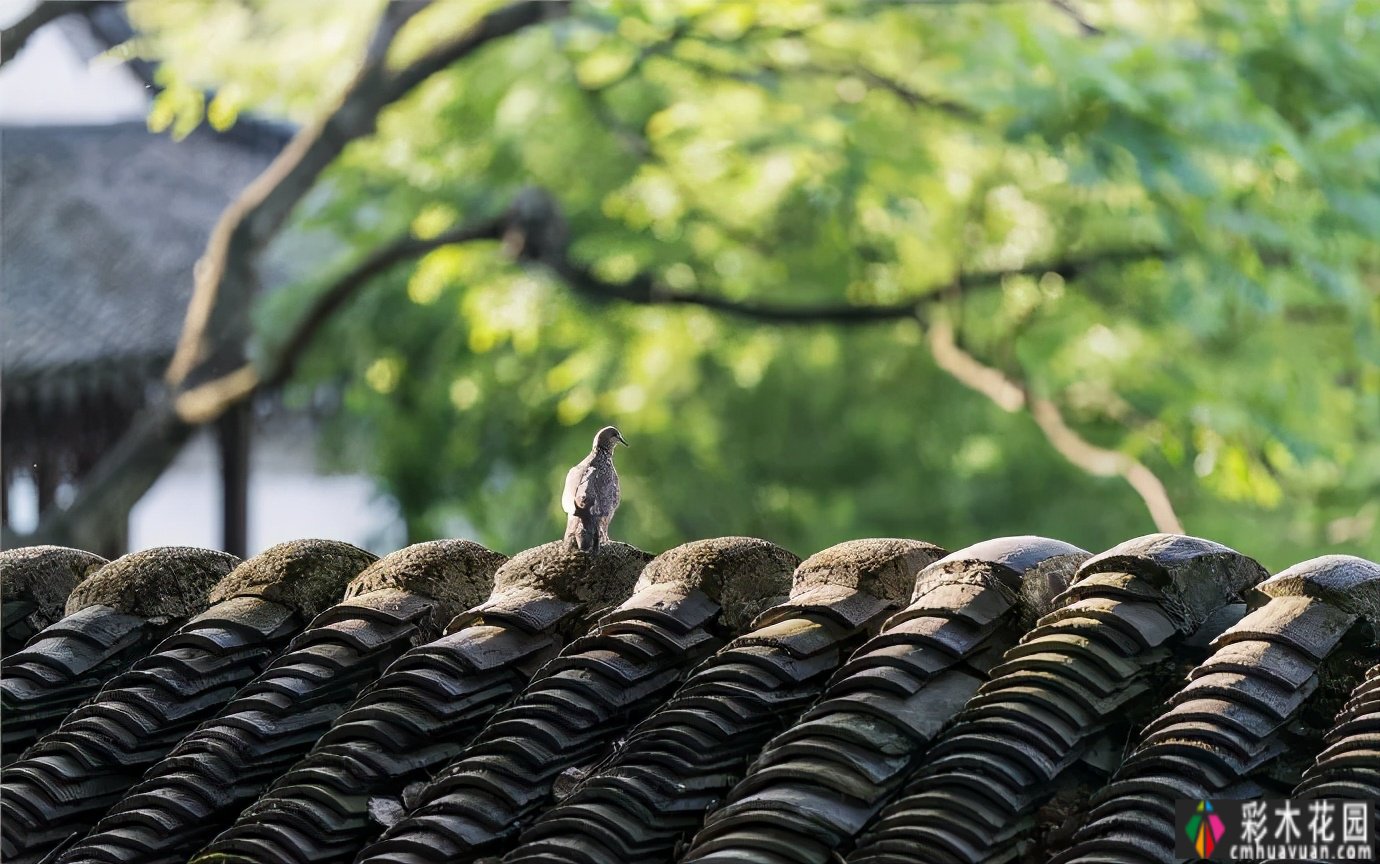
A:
{"points": [[945, 269]]}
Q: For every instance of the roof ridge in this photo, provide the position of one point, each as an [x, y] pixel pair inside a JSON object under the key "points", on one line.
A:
{"points": [[1086, 663], [418, 716], [1236, 714], [760, 718]]}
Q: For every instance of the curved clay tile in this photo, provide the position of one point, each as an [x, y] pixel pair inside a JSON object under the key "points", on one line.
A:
{"points": [[679, 762], [1098, 660], [103, 747], [428, 705], [816, 784], [113, 617], [1234, 728], [1349, 766], [217, 770], [34, 584], [687, 602]]}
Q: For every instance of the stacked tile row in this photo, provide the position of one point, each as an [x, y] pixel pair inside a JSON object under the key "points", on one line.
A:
{"points": [[114, 617], [201, 786], [818, 783], [1227, 729], [34, 585], [639, 803], [687, 603], [71, 776], [1100, 658], [1349, 767], [427, 706]]}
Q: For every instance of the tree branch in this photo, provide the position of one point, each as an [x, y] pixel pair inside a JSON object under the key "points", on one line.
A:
{"points": [[535, 214], [645, 289], [14, 37], [912, 97], [341, 290], [534, 232], [1012, 396], [971, 372], [909, 95], [206, 402], [502, 22], [1085, 27], [224, 279], [216, 330]]}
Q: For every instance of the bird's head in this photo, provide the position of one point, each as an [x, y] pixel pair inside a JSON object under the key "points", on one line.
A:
{"points": [[607, 438]]}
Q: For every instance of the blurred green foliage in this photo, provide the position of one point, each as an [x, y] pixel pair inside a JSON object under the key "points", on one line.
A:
{"points": [[807, 151]]}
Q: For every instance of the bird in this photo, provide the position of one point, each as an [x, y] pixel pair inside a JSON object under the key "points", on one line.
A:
{"points": [[591, 494]]}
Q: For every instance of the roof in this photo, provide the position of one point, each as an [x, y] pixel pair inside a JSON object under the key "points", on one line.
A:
{"points": [[722, 701], [139, 208], [34, 585]]}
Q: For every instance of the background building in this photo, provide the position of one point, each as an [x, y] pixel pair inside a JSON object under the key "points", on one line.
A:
{"points": [[102, 224]]}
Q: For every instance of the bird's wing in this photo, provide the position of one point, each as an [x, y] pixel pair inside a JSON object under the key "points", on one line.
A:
{"points": [[596, 491], [574, 479], [601, 490]]}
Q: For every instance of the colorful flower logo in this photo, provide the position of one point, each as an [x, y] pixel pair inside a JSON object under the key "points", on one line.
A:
{"points": [[1205, 828]]}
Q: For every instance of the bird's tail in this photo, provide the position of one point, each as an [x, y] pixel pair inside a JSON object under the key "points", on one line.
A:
{"points": [[582, 532]]}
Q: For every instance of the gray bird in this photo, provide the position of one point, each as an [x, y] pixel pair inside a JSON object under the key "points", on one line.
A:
{"points": [[591, 494]]}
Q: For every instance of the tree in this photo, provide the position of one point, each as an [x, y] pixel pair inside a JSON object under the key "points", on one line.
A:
{"points": [[834, 269]]}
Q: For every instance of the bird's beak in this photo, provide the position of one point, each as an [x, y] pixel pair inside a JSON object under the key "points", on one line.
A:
{"points": [[622, 441]]}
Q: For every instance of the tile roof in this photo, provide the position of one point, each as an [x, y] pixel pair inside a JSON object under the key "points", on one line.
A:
{"points": [[687, 603], [880, 702], [113, 617], [34, 584], [424, 709], [110, 317], [139, 715], [186, 798], [815, 786], [1242, 714], [1103, 655]]}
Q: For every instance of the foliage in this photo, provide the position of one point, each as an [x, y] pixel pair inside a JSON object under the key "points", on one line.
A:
{"points": [[1221, 161]]}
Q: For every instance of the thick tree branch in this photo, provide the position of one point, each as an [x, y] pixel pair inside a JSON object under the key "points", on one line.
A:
{"points": [[327, 303], [14, 37], [534, 232], [1012, 396], [217, 326], [206, 402], [215, 329]]}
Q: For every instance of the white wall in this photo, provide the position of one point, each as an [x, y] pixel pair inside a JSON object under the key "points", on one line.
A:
{"points": [[49, 83], [288, 500]]}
